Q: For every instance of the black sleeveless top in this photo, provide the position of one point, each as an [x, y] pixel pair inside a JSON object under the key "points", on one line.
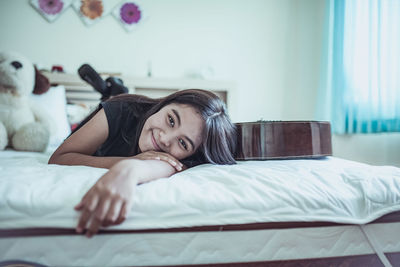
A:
{"points": [[123, 121]]}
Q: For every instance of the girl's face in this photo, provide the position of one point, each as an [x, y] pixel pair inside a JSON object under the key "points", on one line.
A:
{"points": [[175, 129]]}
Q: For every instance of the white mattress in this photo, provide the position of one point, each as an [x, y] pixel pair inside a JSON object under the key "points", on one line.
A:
{"points": [[34, 194], [163, 249]]}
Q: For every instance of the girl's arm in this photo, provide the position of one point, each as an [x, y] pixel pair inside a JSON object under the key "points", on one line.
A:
{"points": [[80, 146], [109, 200]]}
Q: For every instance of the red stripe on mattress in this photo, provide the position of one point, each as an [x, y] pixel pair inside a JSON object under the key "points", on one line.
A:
{"points": [[24, 232]]}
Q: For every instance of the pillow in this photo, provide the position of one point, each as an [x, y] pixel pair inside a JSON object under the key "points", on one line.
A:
{"points": [[77, 112], [54, 103]]}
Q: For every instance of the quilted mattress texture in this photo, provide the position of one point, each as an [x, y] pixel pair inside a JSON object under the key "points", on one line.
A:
{"points": [[34, 194]]}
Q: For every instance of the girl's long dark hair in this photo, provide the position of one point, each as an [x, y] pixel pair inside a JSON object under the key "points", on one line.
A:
{"points": [[219, 135]]}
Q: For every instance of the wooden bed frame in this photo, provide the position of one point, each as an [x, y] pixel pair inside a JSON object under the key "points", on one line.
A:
{"points": [[78, 91]]}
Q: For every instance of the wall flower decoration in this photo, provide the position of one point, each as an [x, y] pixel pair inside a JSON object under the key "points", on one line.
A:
{"points": [[50, 9], [129, 14], [92, 11], [91, 8]]}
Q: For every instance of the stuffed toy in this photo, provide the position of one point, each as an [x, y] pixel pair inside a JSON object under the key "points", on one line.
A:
{"points": [[23, 126]]}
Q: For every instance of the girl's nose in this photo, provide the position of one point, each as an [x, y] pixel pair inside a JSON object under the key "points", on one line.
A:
{"points": [[165, 139]]}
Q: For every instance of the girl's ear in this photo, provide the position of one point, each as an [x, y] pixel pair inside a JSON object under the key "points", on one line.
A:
{"points": [[42, 83]]}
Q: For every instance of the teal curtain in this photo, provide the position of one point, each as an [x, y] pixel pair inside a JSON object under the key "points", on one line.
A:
{"points": [[360, 85]]}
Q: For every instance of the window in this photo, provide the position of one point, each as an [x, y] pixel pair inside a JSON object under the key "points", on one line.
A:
{"points": [[362, 52]]}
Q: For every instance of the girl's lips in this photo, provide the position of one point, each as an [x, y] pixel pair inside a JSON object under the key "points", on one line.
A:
{"points": [[153, 140]]}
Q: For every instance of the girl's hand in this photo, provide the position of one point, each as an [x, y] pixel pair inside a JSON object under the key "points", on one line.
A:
{"points": [[108, 201], [156, 155]]}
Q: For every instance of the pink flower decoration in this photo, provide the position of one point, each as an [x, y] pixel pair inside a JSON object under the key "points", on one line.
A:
{"points": [[130, 13], [51, 7]]}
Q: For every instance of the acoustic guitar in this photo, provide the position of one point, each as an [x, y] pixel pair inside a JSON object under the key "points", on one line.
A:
{"points": [[263, 140]]}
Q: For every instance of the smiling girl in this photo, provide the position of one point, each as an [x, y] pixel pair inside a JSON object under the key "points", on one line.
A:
{"points": [[140, 139]]}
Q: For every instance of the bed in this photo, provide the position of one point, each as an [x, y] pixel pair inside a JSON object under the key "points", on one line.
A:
{"points": [[324, 210], [303, 212]]}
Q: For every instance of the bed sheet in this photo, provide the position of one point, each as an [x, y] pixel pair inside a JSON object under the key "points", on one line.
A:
{"points": [[34, 194]]}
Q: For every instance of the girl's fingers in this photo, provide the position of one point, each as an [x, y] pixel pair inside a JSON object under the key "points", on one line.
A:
{"points": [[102, 209], [156, 155], [113, 212], [171, 161], [95, 219], [175, 164], [123, 213], [94, 227], [98, 216], [92, 203], [85, 216], [174, 161], [88, 207], [79, 206]]}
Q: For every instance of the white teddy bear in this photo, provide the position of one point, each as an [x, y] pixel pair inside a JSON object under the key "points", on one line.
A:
{"points": [[23, 126]]}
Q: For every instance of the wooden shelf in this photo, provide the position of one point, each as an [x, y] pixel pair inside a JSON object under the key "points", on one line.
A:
{"points": [[77, 90]]}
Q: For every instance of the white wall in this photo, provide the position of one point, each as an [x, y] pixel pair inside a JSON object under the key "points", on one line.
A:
{"points": [[269, 48], [375, 149], [241, 41], [303, 59]]}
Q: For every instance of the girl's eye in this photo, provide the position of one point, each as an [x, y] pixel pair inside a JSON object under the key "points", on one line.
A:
{"points": [[183, 143], [171, 121]]}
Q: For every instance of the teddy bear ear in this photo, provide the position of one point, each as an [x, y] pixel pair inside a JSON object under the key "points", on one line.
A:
{"points": [[42, 83]]}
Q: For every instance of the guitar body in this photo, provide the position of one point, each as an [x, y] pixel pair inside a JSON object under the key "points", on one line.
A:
{"points": [[283, 140]]}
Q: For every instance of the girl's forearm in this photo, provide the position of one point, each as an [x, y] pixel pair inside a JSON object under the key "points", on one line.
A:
{"points": [[72, 158], [116, 187], [144, 171]]}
